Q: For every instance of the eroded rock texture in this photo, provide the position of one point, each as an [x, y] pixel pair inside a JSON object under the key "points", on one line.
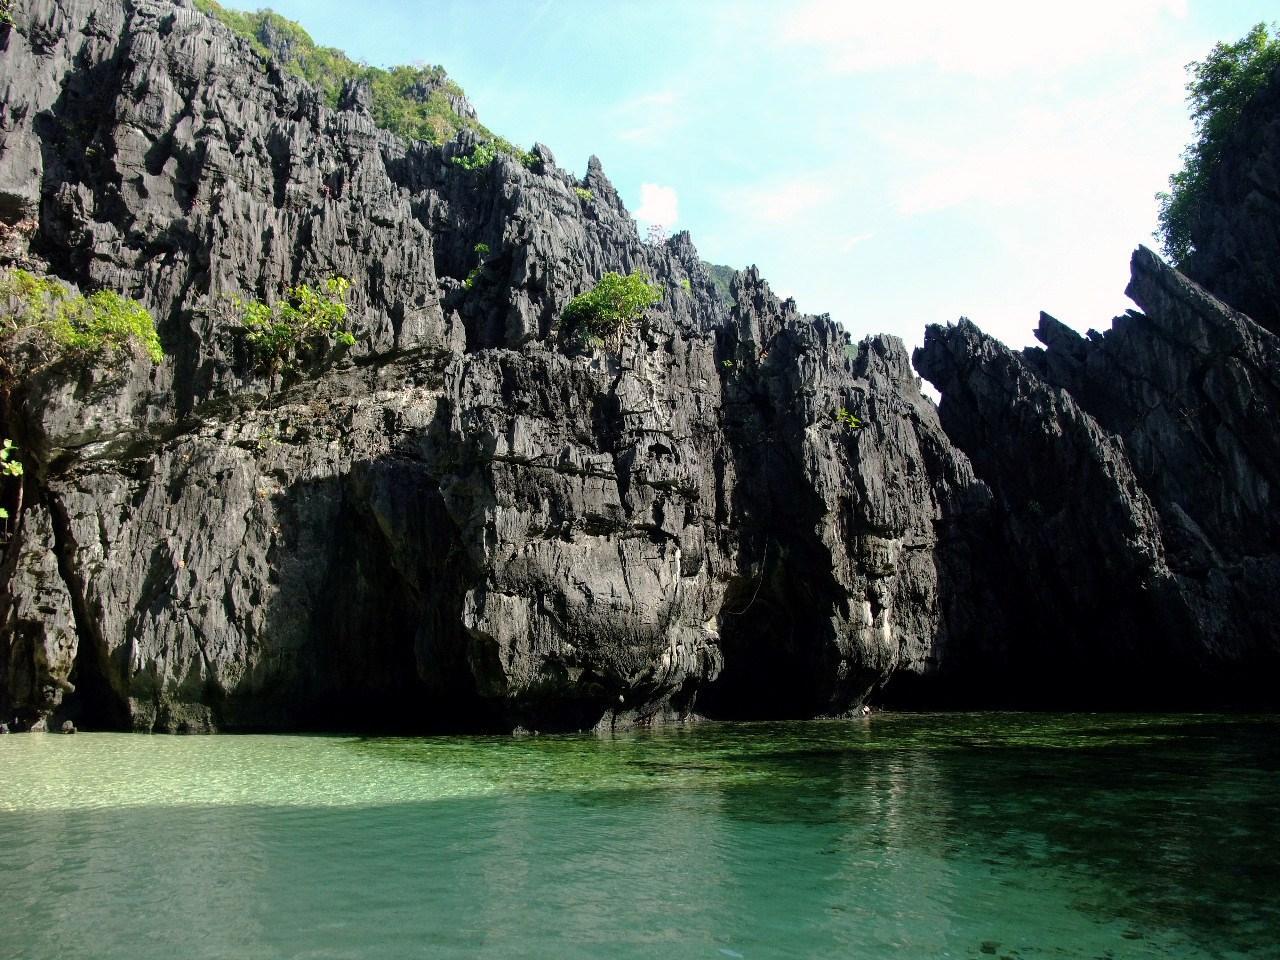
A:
{"points": [[469, 521], [1133, 474], [462, 522]]}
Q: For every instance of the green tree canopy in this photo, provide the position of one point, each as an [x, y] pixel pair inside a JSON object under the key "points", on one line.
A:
{"points": [[101, 323], [1220, 87], [609, 309], [281, 332]]}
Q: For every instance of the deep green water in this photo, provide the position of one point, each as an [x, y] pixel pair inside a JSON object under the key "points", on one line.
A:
{"points": [[905, 836]]}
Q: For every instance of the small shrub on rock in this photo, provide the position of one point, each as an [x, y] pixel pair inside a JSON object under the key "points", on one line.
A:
{"points": [[482, 251], [846, 419], [97, 325], [10, 466], [608, 311], [481, 155], [279, 333]]}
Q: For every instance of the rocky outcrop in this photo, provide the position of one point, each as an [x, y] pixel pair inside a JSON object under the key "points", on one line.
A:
{"points": [[1132, 474], [464, 521], [1235, 227]]}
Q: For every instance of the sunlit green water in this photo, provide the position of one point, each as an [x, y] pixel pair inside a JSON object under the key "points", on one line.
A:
{"points": [[900, 836]]}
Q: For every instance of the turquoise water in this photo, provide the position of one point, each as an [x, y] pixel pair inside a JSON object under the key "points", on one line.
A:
{"points": [[904, 836]]}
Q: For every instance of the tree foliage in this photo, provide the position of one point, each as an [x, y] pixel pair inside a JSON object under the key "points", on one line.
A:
{"points": [[42, 322], [481, 155], [10, 466], [1220, 87], [482, 251], [101, 323], [846, 419], [609, 309], [280, 333]]}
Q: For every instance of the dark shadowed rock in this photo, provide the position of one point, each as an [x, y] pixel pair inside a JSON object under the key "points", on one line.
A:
{"points": [[1133, 476]]}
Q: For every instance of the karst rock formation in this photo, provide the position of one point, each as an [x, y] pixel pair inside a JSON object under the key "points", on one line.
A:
{"points": [[470, 521]]}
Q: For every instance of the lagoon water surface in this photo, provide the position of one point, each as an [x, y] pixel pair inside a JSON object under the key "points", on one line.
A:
{"points": [[903, 836]]}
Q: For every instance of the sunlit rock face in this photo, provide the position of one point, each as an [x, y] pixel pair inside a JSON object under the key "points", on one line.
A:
{"points": [[464, 520], [472, 520]]}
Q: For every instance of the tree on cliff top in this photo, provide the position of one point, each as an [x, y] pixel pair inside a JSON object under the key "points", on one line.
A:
{"points": [[1220, 87], [414, 102]]}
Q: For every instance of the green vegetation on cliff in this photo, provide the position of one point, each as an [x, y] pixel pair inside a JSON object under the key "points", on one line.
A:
{"points": [[307, 317], [720, 276], [607, 311], [102, 323], [416, 103], [43, 322], [10, 466], [1220, 87]]}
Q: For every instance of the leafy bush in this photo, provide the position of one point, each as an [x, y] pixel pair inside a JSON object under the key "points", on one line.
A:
{"points": [[584, 194], [102, 323], [43, 322], [481, 155], [10, 466], [609, 309], [1220, 87], [847, 419], [686, 286], [6, 13], [278, 332], [482, 250]]}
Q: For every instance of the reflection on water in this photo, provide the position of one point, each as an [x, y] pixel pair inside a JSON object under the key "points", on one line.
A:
{"points": [[984, 835]]}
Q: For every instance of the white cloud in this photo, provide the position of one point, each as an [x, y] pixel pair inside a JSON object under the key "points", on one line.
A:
{"points": [[981, 38], [649, 118], [780, 201], [659, 205], [848, 243], [1113, 145]]}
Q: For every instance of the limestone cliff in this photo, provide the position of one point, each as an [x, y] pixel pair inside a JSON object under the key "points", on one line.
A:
{"points": [[1133, 476], [462, 522], [468, 520]]}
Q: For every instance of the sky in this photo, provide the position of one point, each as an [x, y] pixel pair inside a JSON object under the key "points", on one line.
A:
{"points": [[892, 164]]}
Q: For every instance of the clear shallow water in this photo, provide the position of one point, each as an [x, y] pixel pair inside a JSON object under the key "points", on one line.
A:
{"points": [[904, 836]]}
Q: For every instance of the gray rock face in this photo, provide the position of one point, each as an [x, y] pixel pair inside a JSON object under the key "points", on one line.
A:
{"points": [[463, 521], [1133, 476]]}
